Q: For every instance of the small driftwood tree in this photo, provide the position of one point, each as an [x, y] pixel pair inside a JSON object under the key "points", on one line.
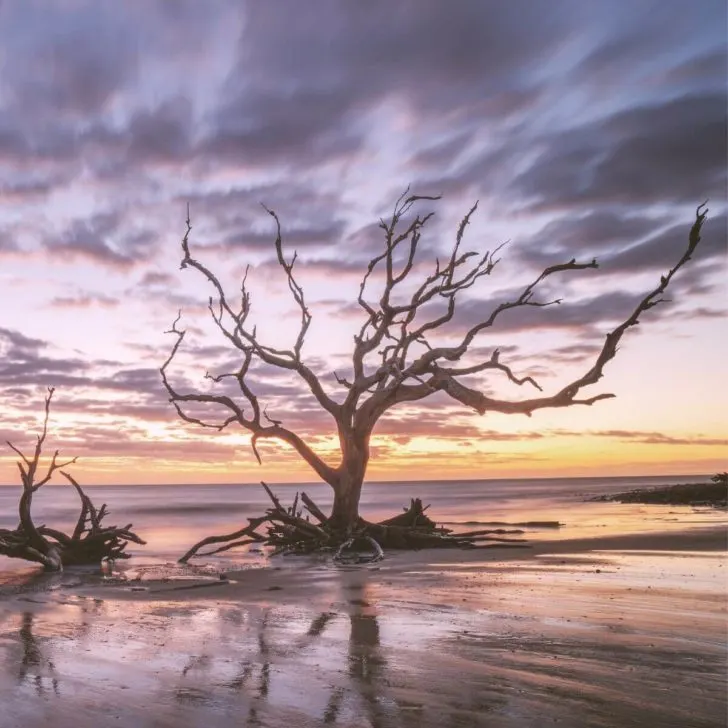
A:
{"points": [[89, 543], [394, 361]]}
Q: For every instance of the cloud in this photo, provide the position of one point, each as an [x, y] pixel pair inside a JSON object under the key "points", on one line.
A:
{"points": [[157, 279], [442, 422], [143, 411], [707, 70], [26, 189], [597, 232], [117, 440], [293, 238], [106, 238], [24, 362], [85, 301], [573, 353], [284, 103], [662, 250], [576, 315], [658, 438], [622, 243], [672, 151], [17, 343], [627, 245], [584, 132], [163, 134], [66, 60], [263, 128], [422, 43], [29, 363]]}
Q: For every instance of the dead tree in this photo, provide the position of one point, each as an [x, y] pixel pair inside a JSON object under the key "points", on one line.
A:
{"points": [[89, 543], [394, 358]]}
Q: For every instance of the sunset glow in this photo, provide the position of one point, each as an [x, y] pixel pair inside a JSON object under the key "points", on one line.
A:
{"points": [[588, 130]]}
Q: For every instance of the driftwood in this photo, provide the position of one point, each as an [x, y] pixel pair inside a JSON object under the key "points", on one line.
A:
{"points": [[288, 531], [90, 541]]}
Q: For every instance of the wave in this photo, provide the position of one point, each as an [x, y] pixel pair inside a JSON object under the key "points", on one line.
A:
{"points": [[183, 509], [520, 524]]}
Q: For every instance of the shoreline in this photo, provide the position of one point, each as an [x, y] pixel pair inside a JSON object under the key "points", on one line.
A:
{"points": [[403, 482], [713, 493], [576, 632]]}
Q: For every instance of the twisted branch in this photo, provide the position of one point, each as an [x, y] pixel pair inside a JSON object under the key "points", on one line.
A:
{"points": [[443, 379], [90, 542], [394, 359], [254, 422]]}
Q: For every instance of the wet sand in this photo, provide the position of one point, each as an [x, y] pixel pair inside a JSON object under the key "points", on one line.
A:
{"points": [[588, 632]]}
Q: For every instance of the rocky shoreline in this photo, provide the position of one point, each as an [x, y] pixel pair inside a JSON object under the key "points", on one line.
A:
{"points": [[688, 494]]}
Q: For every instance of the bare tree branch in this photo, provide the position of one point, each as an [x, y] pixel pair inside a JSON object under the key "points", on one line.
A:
{"points": [[90, 542], [29, 467], [245, 339], [445, 380], [395, 357], [253, 423]]}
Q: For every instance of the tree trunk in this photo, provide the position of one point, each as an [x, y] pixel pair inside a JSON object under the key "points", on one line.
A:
{"points": [[39, 548], [345, 512], [347, 488]]}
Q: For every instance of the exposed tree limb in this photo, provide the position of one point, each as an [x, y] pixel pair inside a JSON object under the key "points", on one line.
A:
{"points": [[249, 530], [252, 423], [395, 357], [233, 326], [445, 380], [90, 542], [313, 509], [288, 533]]}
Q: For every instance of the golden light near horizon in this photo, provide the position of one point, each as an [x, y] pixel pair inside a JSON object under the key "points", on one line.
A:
{"points": [[107, 144]]}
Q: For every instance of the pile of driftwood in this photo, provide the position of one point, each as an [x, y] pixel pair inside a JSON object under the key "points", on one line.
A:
{"points": [[287, 530], [89, 543]]}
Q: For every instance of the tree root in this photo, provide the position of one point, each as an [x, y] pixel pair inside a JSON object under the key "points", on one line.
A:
{"points": [[89, 543], [288, 531]]}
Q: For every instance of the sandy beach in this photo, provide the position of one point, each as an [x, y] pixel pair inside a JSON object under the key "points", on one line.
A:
{"points": [[608, 631]]}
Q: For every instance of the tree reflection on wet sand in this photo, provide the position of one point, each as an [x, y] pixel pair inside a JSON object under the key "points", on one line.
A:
{"points": [[483, 646]]}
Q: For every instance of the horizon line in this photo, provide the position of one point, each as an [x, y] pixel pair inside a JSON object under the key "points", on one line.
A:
{"points": [[376, 482]]}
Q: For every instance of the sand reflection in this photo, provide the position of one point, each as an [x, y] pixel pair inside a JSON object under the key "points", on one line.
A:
{"points": [[35, 669], [366, 663], [409, 644]]}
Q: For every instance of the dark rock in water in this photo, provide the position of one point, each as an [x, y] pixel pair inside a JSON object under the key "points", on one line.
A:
{"points": [[683, 494]]}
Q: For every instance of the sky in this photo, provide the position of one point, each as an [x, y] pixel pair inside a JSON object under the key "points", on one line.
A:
{"points": [[583, 129]]}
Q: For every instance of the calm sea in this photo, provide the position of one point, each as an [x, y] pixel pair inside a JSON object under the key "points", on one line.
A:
{"points": [[173, 517]]}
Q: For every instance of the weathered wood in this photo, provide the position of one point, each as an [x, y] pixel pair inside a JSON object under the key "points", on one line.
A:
{"points": [[249, 530], [414, 516], [89, 543], [276, 503], [228, 546], [289, 533], [488, 532], [393, 360], [313, 509]]}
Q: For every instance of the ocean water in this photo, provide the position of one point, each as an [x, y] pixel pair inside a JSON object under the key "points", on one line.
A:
{"points": [[171, 518]]}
